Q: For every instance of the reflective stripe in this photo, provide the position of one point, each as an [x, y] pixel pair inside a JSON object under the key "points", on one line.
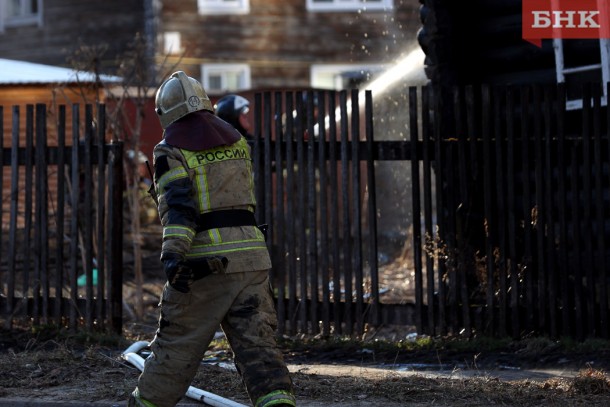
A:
{"points": [[223, 248], [275, 398], [178, 231], [251, 170], [171, 175], [215, 236], [202, 190]]}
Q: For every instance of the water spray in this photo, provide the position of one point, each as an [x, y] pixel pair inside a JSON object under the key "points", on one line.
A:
{"points": [[410, 66]]}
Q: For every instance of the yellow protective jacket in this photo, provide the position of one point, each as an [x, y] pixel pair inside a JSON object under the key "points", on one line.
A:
{"points": [[200, 191]]}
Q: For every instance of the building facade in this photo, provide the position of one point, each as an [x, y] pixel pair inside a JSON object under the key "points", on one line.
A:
{"points": [[264, 44]]}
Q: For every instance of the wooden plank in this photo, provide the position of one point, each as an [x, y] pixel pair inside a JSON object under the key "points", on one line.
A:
{"points": [[59, 237], [372, 212], [463, 244], [74, 203], [378, 151], [356, 212], [115, 230], [312, 241], [526, 203], [564, 244], [10, 281], [540, 208], [301, 212], [100, 206], [550, 270], [512, 220], [280, 234], [439, 167], [427, 132], [345, 199], [266, 170], [334, 213], [599, 220], [450, 239], [324, 258], [501, 210], [28, 259], [87, 205], [290, 217], [416, 198], [42, 209], [486, 134], [587, 262]]}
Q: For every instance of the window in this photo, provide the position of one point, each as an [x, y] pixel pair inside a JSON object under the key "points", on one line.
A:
{"points": [[223, 6], [171, 43], [338, 77], [346, 5], [220, 78], [21, 12]]}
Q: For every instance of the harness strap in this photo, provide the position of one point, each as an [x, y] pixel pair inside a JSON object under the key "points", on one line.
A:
{"points": [[224, 219]]}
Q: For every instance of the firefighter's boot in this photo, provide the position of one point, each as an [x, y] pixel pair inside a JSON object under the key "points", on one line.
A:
{"points": [[135, 400], [279, 398]]}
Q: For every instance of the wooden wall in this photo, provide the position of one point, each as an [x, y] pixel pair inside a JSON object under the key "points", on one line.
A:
{"points": [[280, 39], [109, 25]]}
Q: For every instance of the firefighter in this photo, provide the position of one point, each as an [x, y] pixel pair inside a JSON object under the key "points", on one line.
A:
{"points": [[234, 109], [214, 256]]}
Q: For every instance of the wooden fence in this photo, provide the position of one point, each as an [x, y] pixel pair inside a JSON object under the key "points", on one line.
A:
{"points": [[510, 202], [519, 242], [510, 213], [46, 245], [315, 177]]}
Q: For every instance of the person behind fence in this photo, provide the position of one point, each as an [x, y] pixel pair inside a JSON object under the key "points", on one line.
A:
{"points": [[234, 109], [214, 256]]}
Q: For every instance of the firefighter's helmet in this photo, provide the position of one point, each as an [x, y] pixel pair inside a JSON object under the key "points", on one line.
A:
{"points": [[230, 107], [178, 96]]}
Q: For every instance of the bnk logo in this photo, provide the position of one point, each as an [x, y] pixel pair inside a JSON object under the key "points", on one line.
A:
{"points": [[584, 19]]}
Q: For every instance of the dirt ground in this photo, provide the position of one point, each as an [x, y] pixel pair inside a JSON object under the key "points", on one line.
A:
{"points": [[39, 367]]}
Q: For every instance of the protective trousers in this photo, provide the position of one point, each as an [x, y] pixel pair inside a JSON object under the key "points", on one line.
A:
{"points": [[242, 304]]}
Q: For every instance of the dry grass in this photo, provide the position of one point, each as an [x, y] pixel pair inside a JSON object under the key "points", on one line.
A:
{"points": [[59, 369]]}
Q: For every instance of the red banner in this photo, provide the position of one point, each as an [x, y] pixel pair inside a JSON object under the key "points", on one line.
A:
{"points": [[542, 19]]}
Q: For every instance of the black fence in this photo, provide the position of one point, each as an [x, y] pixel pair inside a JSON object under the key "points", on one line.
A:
{"points": [[61, 265], [510, 204], [519, 241], [510, 225]]}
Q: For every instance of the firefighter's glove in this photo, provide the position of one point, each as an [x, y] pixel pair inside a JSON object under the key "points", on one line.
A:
{"points": [[179, 273]]}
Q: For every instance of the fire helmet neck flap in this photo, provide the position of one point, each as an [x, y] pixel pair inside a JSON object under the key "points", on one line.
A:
{"points": [[178, 96]]}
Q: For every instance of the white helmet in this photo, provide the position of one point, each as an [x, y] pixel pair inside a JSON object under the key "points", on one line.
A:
{"points": [[178, 96]]}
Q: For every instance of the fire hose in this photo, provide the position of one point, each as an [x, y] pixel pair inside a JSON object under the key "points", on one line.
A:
{"points": [[131, 355]]}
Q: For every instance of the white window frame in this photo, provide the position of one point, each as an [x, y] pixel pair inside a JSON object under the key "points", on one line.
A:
{"points": [[318, 70], [242, 70], [24, 17], [349, 5], [172, 43], [206, 7]]}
